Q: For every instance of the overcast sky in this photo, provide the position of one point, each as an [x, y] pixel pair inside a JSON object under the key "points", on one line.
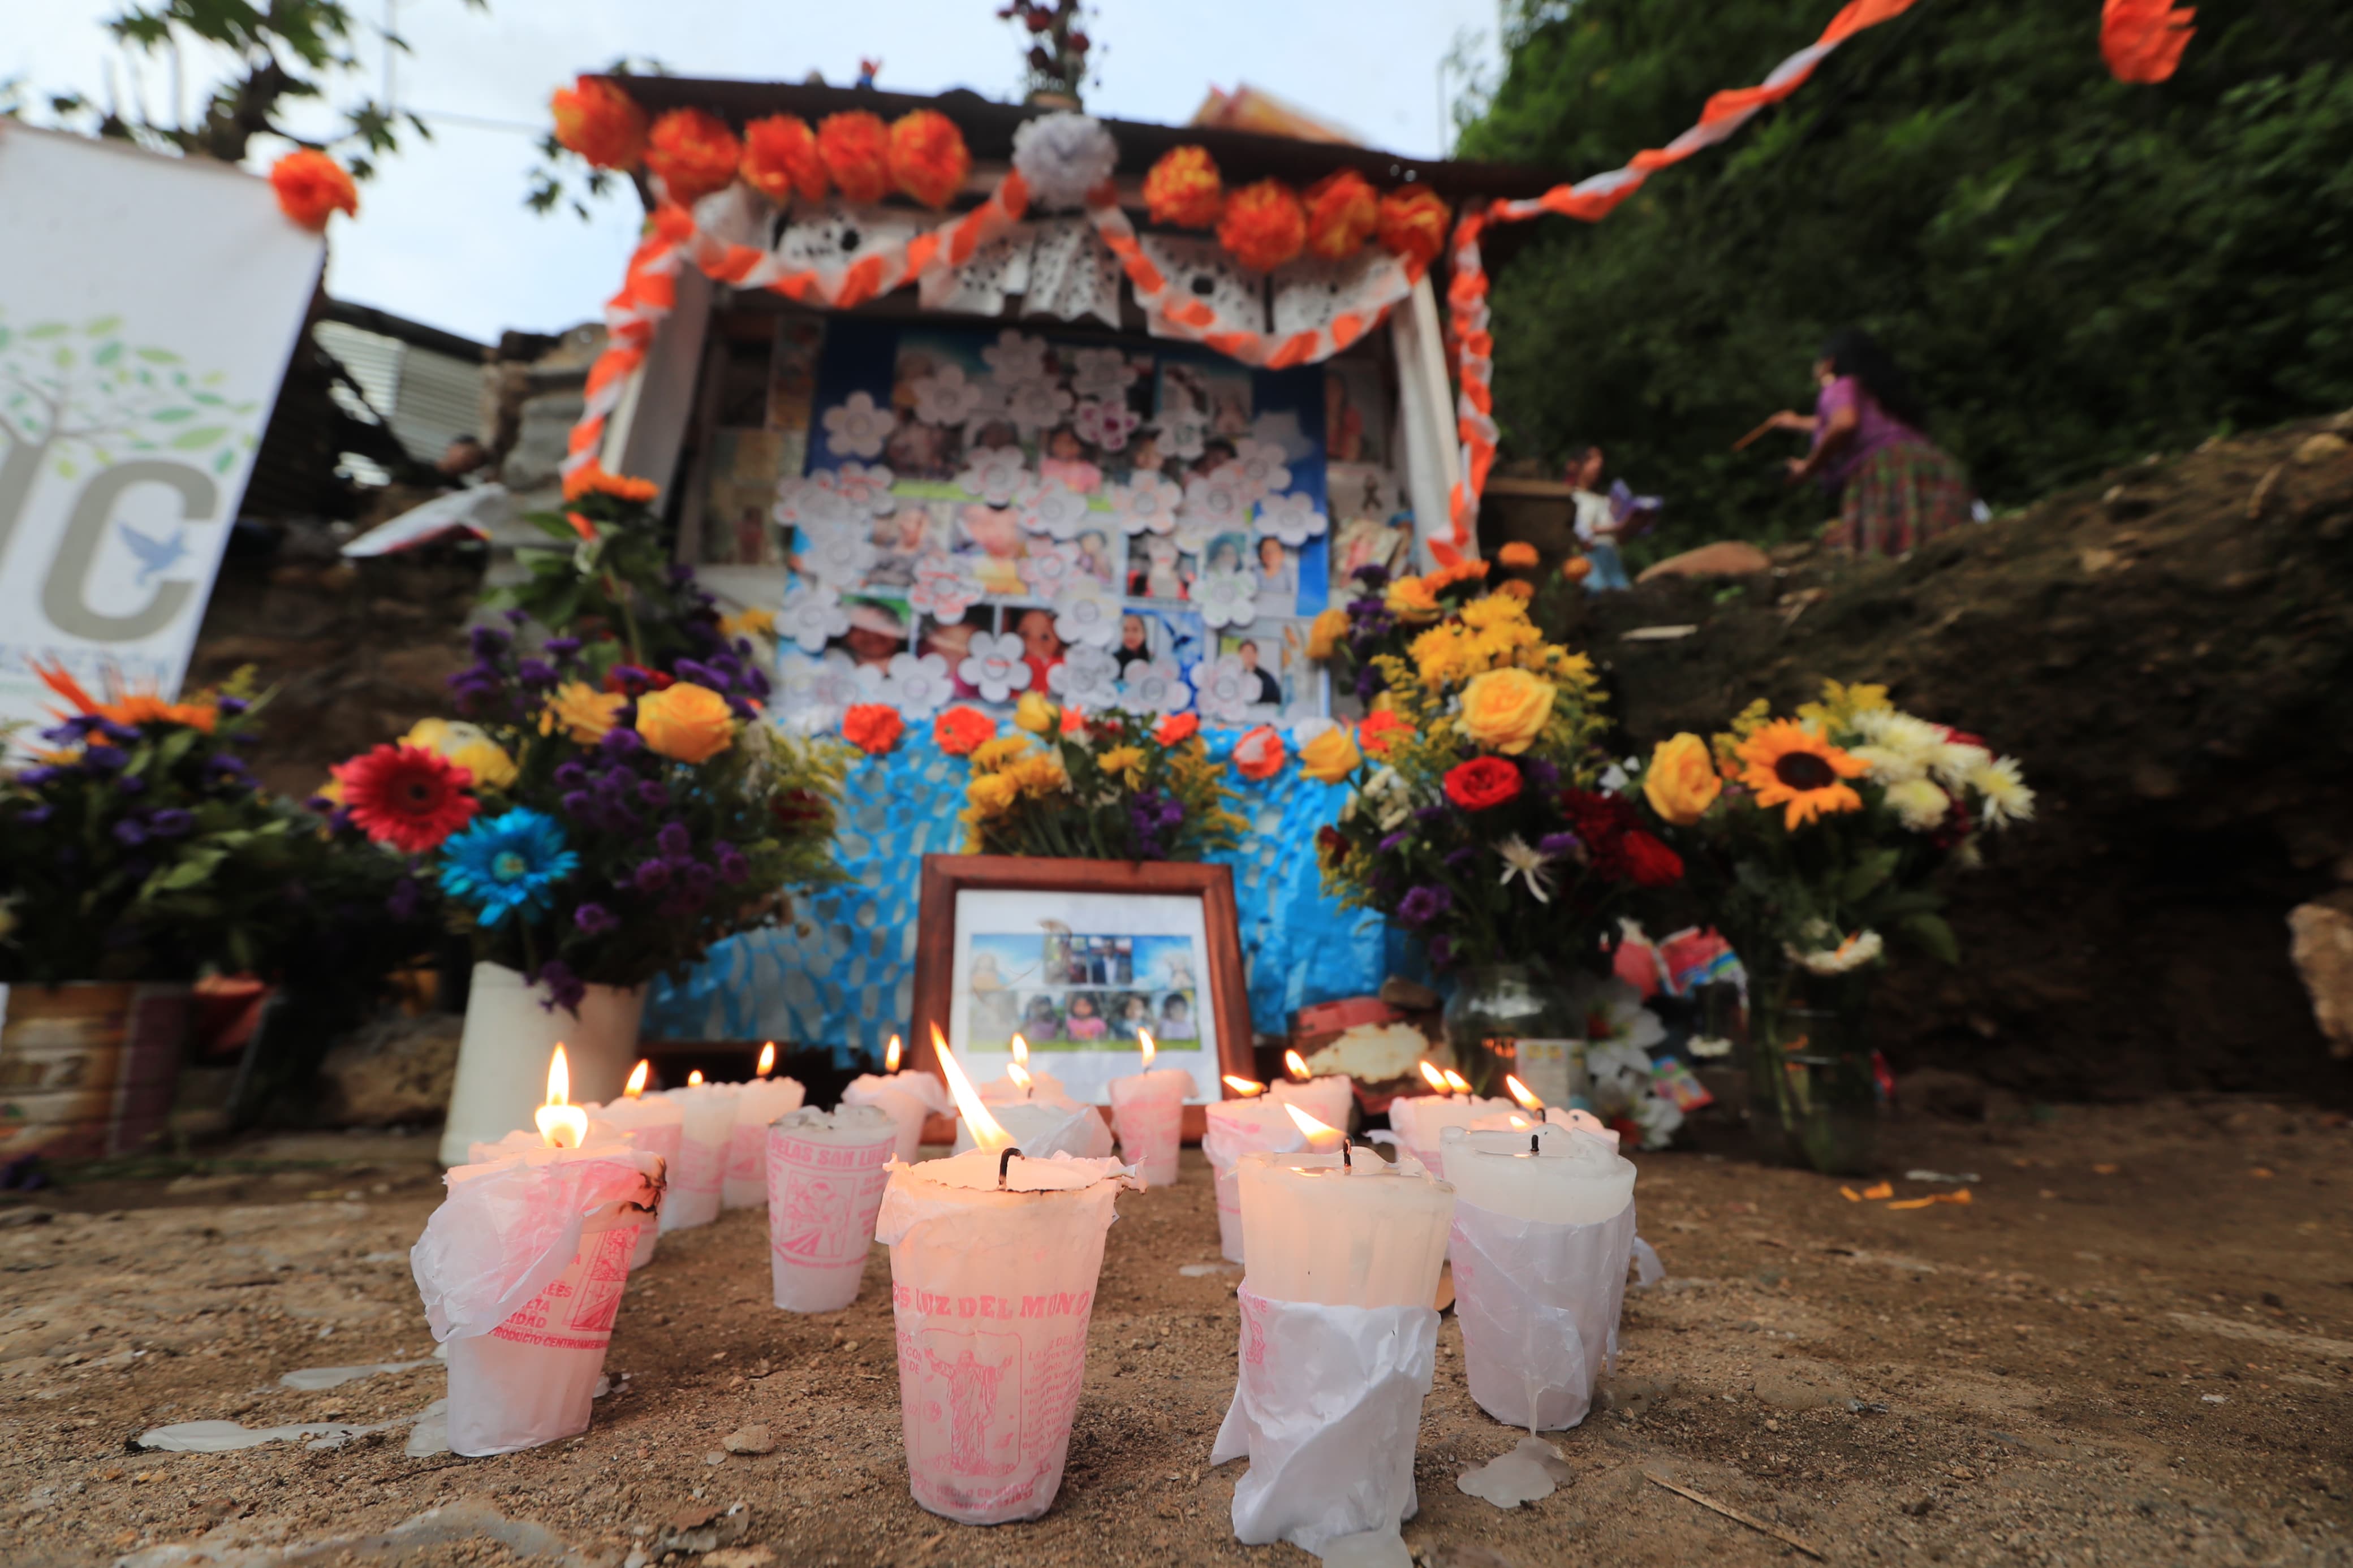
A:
{"points": [[442, 235]]}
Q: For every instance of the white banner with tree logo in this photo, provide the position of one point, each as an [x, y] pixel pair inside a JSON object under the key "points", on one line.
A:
{"points": [[148, 307]]}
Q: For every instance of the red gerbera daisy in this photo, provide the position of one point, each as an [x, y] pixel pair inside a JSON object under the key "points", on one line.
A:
{"points": [[407, 796]]}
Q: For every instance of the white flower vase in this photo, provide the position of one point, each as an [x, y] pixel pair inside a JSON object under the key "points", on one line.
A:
{"points": [[503, 1056]]}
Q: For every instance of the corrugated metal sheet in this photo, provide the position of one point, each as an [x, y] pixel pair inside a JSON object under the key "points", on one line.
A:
{"points": [[426, 397]]}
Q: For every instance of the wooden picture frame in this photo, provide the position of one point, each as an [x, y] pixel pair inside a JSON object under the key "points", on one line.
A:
{"points": [[946, 878]]}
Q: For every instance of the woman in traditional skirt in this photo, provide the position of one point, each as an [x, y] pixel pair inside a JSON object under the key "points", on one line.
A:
{"points": [[1896, 488]]}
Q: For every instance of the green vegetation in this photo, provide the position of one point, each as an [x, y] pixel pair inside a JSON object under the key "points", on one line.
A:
{"points": [[2074, 271]]}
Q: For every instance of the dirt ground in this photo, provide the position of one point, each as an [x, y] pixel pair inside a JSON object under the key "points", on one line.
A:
{"points": [[2133, 1346]]}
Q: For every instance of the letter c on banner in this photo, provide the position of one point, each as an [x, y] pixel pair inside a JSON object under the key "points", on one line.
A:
{"points": [[62, 597]]}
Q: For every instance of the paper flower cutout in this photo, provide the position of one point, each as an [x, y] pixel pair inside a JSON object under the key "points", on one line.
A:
{"points": [[1219, 502], [599, 121], [1292, 518], [997, 475], [1341, 213], [1263, 225], [1264, 469], [1055, 509], [944, 589], [693, 153], [995, 667], [1015, 359], [948, 398], [917, 685], [835, 553], [1413, 223], [1223, 690], [1146, 503], [1085, 614], [811, 502], [1154, 687], [1101, 373], [780, 159], [1062, 157], [1088, 677], [1033, 406], [1049, 569], [856, 428], [1259, 754], [1183, 433], [1184, 188], [867, 490], [928, 158], [1225, 598], [856, 147], [1107, 424], [811, 614], [815, 685]]}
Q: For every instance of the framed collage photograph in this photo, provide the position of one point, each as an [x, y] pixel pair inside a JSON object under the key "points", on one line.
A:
{"points": [[1080, 957]]}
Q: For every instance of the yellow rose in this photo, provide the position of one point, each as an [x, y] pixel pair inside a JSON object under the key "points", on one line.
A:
{"points": [[1330, 756], [1412, 599], [991, 794], [686, 722], [991, 755], [1126, 762], [1324, 632], [585, 712], [466, 745], [1034, 713], [1505, 709], [1681, 782]]}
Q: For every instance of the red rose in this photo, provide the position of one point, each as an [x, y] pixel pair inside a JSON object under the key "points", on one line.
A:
{"points": [[1483, 782], [1330, 843], [1649, 862]]}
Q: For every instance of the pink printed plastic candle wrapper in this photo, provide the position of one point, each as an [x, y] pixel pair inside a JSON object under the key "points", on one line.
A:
{"points": [[1147, 1109], [827, 1171], [521, 1270], [603, 1138], [708, 1110], [650, 1123], [1237, 1127], [1422, 1121], [992, 1291], [909, 1097], [757, 1103], [1043, 1128]]}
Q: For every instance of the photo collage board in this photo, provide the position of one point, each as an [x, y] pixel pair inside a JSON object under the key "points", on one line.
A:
{"points": [[1111, 521]]}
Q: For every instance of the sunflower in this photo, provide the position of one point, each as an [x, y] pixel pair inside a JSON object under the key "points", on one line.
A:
{"points": [[407, 796], [1785, 763]]}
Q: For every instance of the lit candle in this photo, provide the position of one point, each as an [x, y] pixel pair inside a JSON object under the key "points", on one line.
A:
{"points": [[1034, 1109], [708, 1110], [1148, 1109], [1421, 1120], [995, 1256], [650, 1122], [909, 1097], [1339, 1341], [522, 1269], [826, 1173], [757, 1103], [1022, 1082], [1329, 1098], [1235, 1128], [1537, 1112], [1542, 1231], [1322, 1138]]}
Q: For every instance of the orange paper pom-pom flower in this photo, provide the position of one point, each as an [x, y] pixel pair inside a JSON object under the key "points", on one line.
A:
{"points": [[311, 187], [1412, 224], [694, 152], [600, 122], [874, 728], [856, 147], [1184, 188], [1342, 212], [780, 159], [1264, 225], [959, 730], [928, 157]]}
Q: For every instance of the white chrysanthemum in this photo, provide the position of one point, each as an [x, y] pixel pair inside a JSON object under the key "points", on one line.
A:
{"points": [[1087, 678], [948, 396], [2007, 798], [1863, 947], [1890, 767], [995, 667], [811, 615], [1918, 804], [1292, 518], [1529, 864], [1034, 405], [839, 554], [1061, 157], [1225, 598], [1055, 509], [1158, 687], [1264, 469], [1957, 762], [1086, 614], [1217, 501], [944, 588], [857, 429], [997, 475], [1146, 503], [1223, 690], [1103, 373]]}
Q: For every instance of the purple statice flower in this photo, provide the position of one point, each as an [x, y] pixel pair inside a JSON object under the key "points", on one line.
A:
{"points": [[1541, 776], [579, 802], [654, 795], [232, 706], [620, 743], [695, 876], [564, 989], [537, 675], [1374, 576], [652, 876], [1368, 681], [1424, 904], [699, 673], [132, 784], [229, 766], [120, 734], [105, 759], [681, 573], [756, 681], [131, 831], [402, 901], [1441, 953], [170, 822], [1393, 841], [674, 840], [594, 919], [69, 733], [37, 813], [35, 777], [732, 867], [1458, 859], [339, 819], [517, 617], [563, 648], [726, 666], [570, 774], [488, 642], [1430, 813], [1562, 847]]}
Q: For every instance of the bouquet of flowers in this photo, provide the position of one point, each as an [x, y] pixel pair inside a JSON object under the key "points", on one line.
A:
{"points": [[1103, 787], [1389, 613], [1476, 820]]}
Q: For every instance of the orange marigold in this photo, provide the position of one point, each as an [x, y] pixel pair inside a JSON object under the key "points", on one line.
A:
{"points": [[1519, 588], [1342, 212], [1264, 225], [1412, 224], [694, 152], [591, 479], [856, 147], [599, 121], [1518, 555], [1184, 188], [780, 159], [959, 730], [928, 158], [1470, 571], [313, 187], [873, 727]]}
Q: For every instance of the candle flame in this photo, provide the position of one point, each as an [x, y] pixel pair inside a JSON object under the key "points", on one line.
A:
{"points": [[1526, 1097], [1244, 1087], [1293, 1064], [1456, 1083], [694, 1079], [767, 1060], [1431, 1076], [891, 1056], [564, 1126], [1020, 1050], [1321, 1138], [986, 1131], [1143, 1042], [638, 1076], [1020, 1075], [1519, 1124]]}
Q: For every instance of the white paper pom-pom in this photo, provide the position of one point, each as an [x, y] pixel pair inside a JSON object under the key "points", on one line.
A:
{"points": [[1061, 157]]}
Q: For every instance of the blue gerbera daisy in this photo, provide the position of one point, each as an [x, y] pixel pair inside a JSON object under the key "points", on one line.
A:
{"points": [[508, 863]]}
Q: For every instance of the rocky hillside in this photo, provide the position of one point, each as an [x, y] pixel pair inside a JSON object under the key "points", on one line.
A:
{"points": [[2170, 652]]}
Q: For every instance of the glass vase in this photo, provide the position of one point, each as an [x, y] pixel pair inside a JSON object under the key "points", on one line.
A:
{"points": [[1496, 1006], [1813, 1098]]}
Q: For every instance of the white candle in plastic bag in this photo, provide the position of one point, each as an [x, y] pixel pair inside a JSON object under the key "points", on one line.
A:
{"points": [[1355, 1233], [826, 1171], [909, 1097], [757, 1103], [1329, 1098], [1148, 1109], [1236, 1126], [1551, 1175], [1421, 1121], [652, 1122], [708, 1110]]}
